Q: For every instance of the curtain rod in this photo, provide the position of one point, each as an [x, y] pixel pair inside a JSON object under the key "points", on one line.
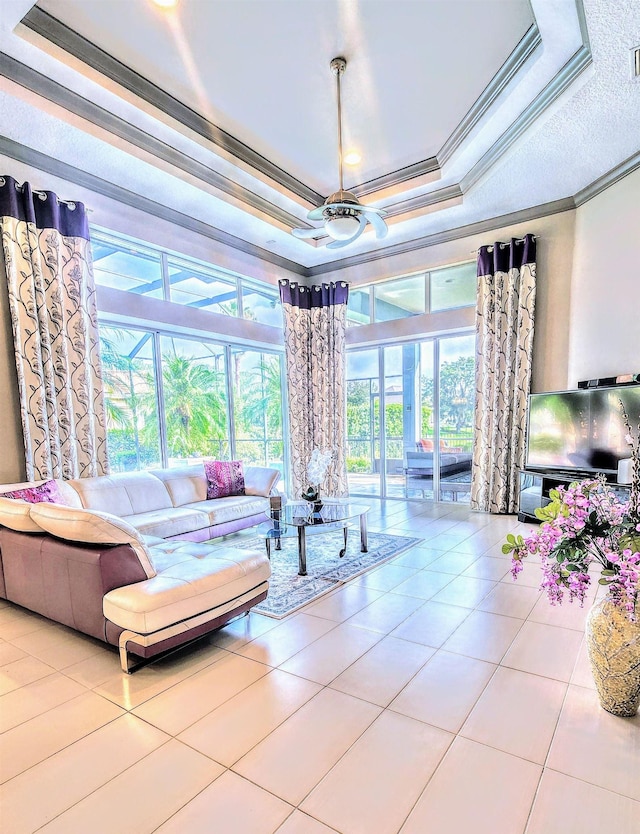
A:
{"points": [[59, 199], [502, 245]]}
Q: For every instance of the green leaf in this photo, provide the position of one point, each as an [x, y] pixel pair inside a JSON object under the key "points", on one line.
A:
{"points": [[607, 572], [573, 568], [506, 549], [603, 581], [511, 538]]}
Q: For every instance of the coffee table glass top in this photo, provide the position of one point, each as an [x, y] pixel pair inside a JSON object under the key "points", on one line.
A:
{"points": [[302, 513]]}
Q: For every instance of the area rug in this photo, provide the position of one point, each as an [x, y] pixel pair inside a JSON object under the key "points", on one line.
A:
{"points": [[325, 569]]}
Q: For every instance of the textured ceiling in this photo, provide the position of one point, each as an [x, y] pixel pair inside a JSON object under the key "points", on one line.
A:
{"points": [[225, 112]]}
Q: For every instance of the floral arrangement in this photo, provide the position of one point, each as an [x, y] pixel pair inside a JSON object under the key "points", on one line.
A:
{"points": [[587, 523], [316, 472]]}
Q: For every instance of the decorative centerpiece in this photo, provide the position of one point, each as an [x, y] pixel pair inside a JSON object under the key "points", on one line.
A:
{"points": [[316, 472], [588, 523]]}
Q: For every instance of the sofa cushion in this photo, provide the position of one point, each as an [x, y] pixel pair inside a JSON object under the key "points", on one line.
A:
{"points": [[213, 577], [185, 484], [91, 527], [122, 494], [16, 515], [166, 554], [259, 480], [224, 478], [168, 522], [45, 491], [220, 510]]}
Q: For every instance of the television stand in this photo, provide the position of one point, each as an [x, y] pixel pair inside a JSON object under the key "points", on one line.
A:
{"points": [[535, 487]]}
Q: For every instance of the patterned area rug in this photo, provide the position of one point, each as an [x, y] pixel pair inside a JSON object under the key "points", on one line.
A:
{"points": [[325, 569]]}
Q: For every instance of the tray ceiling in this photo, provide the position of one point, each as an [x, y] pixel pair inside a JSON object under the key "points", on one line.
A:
{"points": [[225, 111]]}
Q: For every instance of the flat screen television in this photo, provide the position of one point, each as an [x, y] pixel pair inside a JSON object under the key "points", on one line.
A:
{"points": [[582, 430]]}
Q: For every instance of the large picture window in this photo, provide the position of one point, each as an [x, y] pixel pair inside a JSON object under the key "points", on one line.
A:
{"points": [[175, 401]]}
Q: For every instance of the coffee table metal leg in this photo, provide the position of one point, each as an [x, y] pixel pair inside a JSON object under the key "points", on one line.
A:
{"points": [[345, 531], [268, 544], [364, 546], [302, 552]]}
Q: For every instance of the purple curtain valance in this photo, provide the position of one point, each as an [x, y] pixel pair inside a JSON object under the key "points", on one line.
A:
{"points": [[323, 295], [502, 257], [42, 208]]}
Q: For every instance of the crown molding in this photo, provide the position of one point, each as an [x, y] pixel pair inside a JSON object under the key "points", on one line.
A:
{"points": [[62, 36], [66, 39], [432, 198], [53, 166], [579, 61], [427, 168], [39, 84], [482, 226], [607, 180], [531, 40]]}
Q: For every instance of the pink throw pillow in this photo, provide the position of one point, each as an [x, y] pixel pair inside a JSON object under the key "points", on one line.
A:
{"points": [[224, 477], [48, 492]]}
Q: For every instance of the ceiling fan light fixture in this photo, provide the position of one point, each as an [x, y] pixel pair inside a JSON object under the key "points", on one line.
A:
{"points": [[342, 227], [352, 158], [343, 216]]}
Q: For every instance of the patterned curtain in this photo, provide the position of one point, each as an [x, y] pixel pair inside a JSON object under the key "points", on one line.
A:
{"points": [[504, 324], [314, 337], [47, 255]]}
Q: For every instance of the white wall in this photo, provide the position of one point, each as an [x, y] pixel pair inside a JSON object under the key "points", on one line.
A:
{"points": [[555, 235], [605, 286]]}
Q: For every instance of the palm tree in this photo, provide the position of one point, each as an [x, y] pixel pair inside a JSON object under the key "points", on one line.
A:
{"points": [[195, 407]]}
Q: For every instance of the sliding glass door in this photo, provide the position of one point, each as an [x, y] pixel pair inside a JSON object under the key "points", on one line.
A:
{"points": [[410, 419]]}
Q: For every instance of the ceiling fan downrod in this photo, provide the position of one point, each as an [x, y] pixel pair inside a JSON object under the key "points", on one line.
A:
{"points": [[338, 66]]}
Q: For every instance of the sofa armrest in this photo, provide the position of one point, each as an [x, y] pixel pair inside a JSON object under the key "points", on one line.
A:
{"points": [[260, 480], [65, 581]]}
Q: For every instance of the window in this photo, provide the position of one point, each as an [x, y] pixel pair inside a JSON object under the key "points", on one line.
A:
{"points": [[400, 298], [124, 266], [135, 267], [261, 303], [203, 289], [427, 292], [410, 419], [195, 400], [454, 286], [128, 368], [359, 306], [173, 399], [257, 397]]}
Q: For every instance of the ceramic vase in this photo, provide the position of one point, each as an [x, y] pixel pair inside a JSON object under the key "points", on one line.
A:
{"points": [[613, 641]]}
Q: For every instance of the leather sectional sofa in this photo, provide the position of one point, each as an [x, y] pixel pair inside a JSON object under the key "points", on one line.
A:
{"points": [[127, 558]]}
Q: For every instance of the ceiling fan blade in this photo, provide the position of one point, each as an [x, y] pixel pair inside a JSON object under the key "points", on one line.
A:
{"points": [[316, 213], [304, 233], [338, 244], [379, 226]]}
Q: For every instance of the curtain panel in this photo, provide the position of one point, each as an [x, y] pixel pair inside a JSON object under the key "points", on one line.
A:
{"points": [[504, 325], [314, 337], [47, 256]]}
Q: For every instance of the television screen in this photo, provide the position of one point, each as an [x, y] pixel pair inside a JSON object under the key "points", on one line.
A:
{"points": [[581, 430]]}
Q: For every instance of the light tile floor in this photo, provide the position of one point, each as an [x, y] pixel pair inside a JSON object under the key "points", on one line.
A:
{"points": [[430, 695]]}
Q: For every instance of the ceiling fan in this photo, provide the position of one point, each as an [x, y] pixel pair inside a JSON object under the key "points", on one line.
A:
{"points": [[344, 216]]}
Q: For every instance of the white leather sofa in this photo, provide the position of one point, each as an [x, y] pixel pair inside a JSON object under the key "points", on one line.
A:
{"points": [[128, 558]]}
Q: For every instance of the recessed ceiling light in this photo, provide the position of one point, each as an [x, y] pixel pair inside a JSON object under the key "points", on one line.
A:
{"points": [[352, 158], [165, 4]]}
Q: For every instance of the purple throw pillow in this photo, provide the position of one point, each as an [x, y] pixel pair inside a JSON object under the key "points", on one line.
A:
{"points": [[224, 477], [48, 492]]}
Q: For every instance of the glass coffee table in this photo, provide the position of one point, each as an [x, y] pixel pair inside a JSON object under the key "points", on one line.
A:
{"points": [[296, 517]]}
